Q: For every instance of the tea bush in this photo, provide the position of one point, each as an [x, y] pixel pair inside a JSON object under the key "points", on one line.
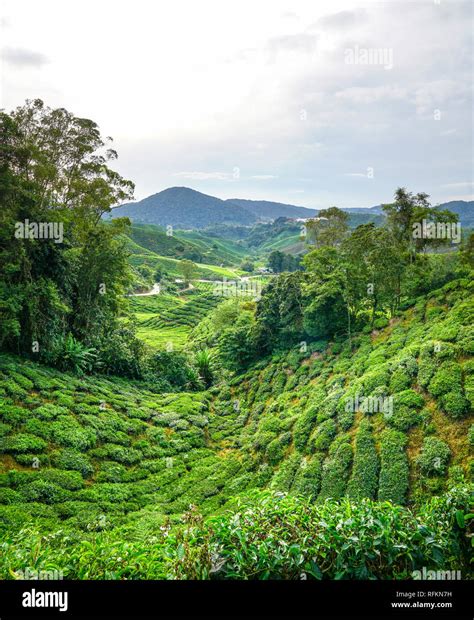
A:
{"points": [[434, 456], [365, 472], [393, 483]]}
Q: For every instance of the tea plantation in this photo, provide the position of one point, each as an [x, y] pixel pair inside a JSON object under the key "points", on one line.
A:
{"points": [[166, 318], [283, 470]]}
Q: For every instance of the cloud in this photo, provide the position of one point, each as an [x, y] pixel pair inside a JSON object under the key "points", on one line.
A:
{"points": [[364, 94], [342, 20], [460, 184], [355, 174], [302, 42], [263, 177], [23, 58], [205, 176]]}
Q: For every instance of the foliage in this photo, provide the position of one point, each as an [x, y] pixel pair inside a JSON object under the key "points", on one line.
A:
{"points": [[434, 456]]}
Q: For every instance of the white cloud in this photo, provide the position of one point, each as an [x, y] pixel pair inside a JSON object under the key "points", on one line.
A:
{"points": [[372, 94], [205, 176], [177, 97], [23, 58], [460, 184]]}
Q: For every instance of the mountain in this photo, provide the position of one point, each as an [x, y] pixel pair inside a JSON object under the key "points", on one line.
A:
{"points": [[185, 208], [377, 210], [267, 210], [182, 207], [465, 210]]}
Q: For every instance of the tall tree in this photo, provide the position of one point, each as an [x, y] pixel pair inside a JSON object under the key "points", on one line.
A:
{"points": [[54, 172], [330, 228]]}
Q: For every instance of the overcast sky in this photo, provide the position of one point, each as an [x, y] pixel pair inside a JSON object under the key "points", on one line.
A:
{"points": [[310, 103]]}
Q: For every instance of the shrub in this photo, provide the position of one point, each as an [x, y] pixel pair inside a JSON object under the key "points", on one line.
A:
{"points": [[10, 496], [374, 379], [74, 460], [111, 472], [308, 477], [114, 452], [400, 380], [23, 442], [336, 469], [12, 414], [393, 483], [446, 379], [323, 435], [276, 449], [274, 537], [409, 398], [64, 431], [365, 471], [70, 480], [284, 477], [302, 428], [71, 354], [44, 491], [49, 412], [434, 456], [403, 418], [426, 370], [454, 404]]}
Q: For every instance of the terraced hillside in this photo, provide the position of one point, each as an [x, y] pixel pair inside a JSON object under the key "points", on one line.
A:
{"points": [[194, 245], [106, 460], [171, 268], [165, 318]]}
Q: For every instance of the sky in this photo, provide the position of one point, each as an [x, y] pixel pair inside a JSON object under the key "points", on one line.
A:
{"points": [[309, 103]]}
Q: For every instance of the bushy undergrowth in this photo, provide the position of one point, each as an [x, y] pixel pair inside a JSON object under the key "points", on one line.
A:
{"points": [[285, 537], [265, 536]]}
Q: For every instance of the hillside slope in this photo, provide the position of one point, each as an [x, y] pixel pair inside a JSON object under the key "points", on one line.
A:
{"points": [[102, 478], [182, 207], [101, 445]]}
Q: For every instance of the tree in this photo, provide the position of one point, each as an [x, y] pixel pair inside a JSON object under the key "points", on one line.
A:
{"points": [[67, 160], [188, 270], [327, 305], [247, 266], [237, 343], [374, 269], [400, 214], [275, 261], [328, 229], [279, 314], [68, 281], [205, 363], [280, 261]]}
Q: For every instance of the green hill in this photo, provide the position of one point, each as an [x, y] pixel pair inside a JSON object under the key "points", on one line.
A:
{"points": [[193, 245], [101, 461], [183, 207], [164, 320]]}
